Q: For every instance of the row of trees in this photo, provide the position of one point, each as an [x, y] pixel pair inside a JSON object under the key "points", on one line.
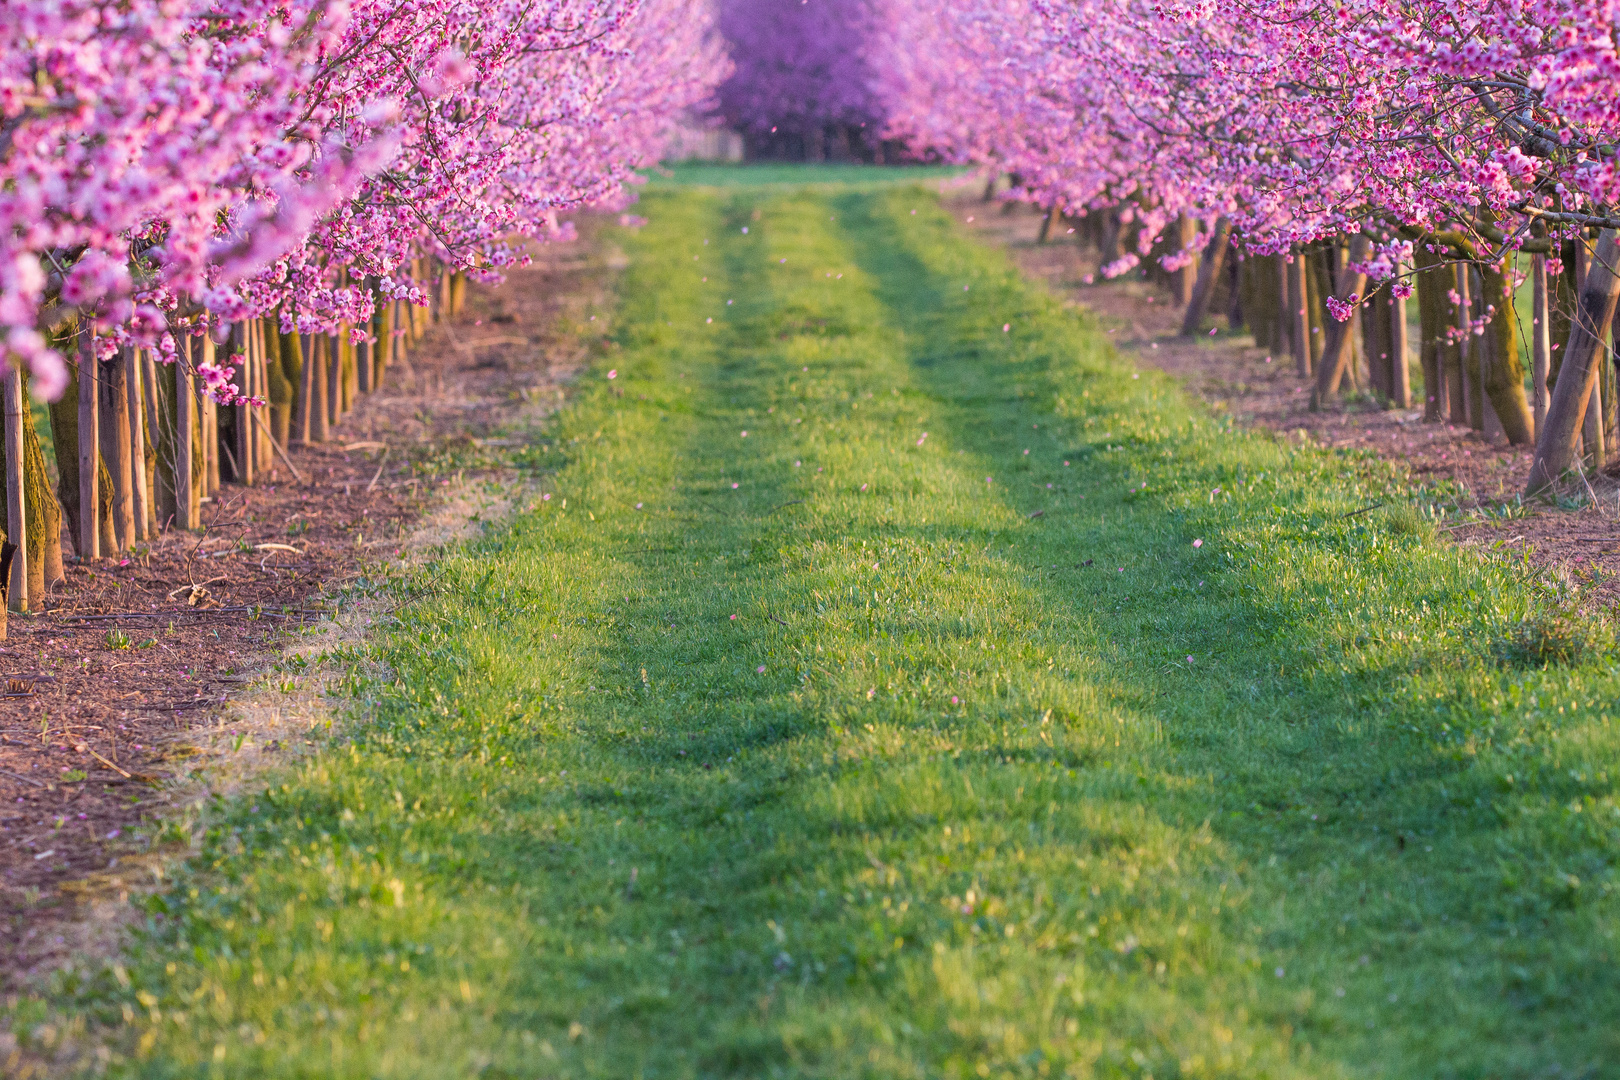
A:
{"points": [[1353, 153], [212, 206]]}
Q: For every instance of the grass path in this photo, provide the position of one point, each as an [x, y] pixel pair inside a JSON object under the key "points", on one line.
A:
{"points": [[987, 709]]}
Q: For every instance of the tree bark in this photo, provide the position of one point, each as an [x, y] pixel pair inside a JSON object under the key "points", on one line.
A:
{"points": [[1540, 339], [156, 513], [1209, 275], [185, 499], [1555, 448], [1338, 349], [319, 418], [44, 545], [16, 489], [89, 460], [1053, 215], [1431, 335], [334, 380], [133, 362], [1504, 377], [1299, 320], [115, 448]]}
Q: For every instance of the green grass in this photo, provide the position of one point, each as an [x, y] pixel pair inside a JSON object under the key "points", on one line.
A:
{"points": [[1085, 737], [798, 174]]}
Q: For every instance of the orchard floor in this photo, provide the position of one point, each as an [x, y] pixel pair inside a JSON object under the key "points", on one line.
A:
{"points": [[899, 683]]}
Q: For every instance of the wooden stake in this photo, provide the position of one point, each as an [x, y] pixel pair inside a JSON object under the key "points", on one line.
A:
{"points": [[16, 503], [89, 459]]}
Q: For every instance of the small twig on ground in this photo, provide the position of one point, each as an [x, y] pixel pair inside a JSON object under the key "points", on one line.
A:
{"points": [[24, 779], [779, 506], [1363, 510], [380, 462], [110, 765]]}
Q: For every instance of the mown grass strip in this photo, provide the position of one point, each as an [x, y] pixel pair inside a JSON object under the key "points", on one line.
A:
{"points": [[987, 709]]}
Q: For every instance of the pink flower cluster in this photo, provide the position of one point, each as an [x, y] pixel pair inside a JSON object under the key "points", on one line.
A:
{"points": [[1297, 120], [165, 163]]}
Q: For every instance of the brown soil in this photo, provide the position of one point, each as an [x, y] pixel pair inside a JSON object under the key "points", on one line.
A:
{"points": [[1578, 545], [113, 686]]}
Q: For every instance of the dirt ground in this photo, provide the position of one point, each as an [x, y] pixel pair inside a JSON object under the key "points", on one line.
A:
{"points": [[1578, 543], [134, 665]]}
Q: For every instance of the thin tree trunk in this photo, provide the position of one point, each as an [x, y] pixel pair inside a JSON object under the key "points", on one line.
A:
{"points": [[1555, 448], [159, 500], [133, 362], [16, 487], [115, 448], [320, 418], [1052, 217], [1338, 350], [1184, 236], [185, 498], [245, 474], [1209, 274], [1400, 371], [458, 294], [1503, 376], [1431, 335], [89, 459], [304, 406], [1540, 339], [334, 379], [1298, 314]]}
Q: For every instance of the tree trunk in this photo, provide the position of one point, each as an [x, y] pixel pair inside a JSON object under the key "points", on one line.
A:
{"points": [[1209, 273], [304, 406], [1504, 375], [384, 355], [115, 449], [1052, 217], [89, 459], [279, 386], [134, 361], [1375, 342], [16, 487], [334, 379], [1555, 447], [1540, 339], [44, 545], [1337, 350], [320, 418], [1431, 334], [1299, 320], [1400, 370], [152, 400], [185, 493], [458, 294], [246, 473]]}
